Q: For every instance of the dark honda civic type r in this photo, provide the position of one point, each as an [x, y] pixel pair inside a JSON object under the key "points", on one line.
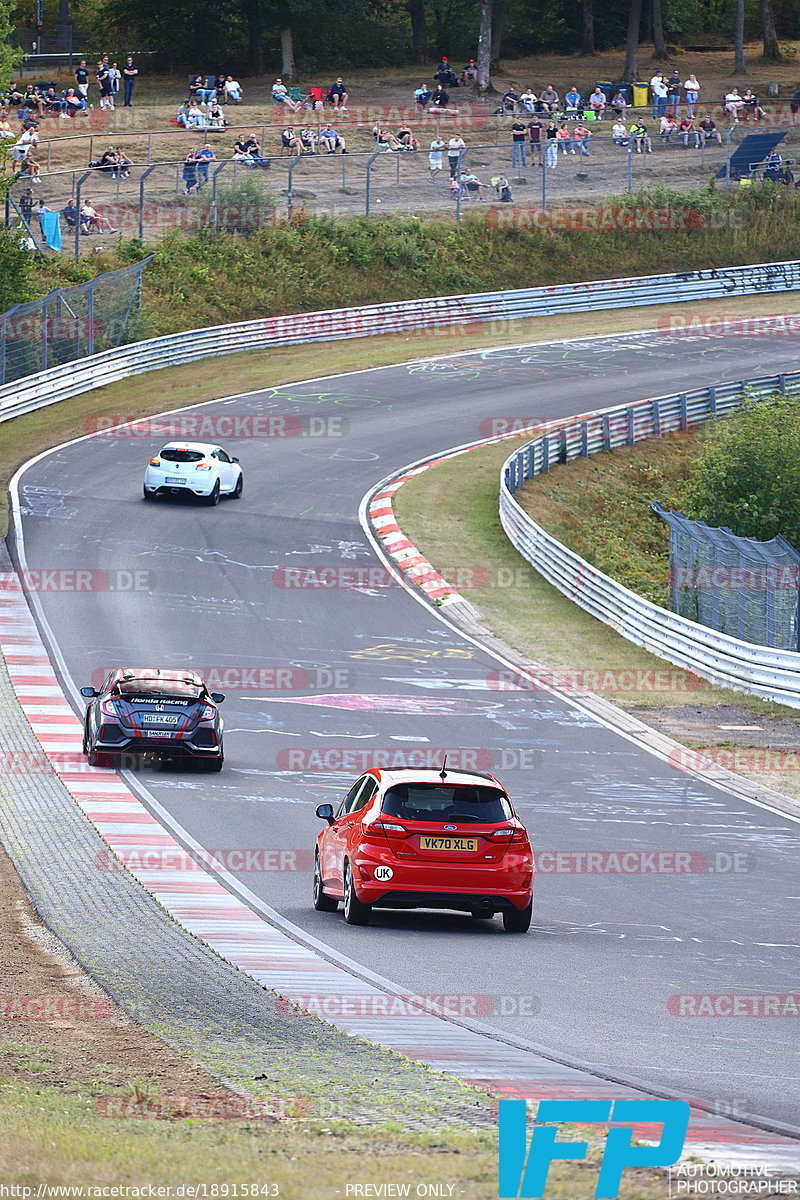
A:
{"points": [[150, 711]]}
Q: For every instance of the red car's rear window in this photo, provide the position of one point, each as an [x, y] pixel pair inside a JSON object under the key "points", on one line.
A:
{"points": [[447, 802]]}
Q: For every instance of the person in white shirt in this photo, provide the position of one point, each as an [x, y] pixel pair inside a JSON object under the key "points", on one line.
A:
{"points": [[280, 95], [233, 90], [733, 102], [195, 115], [660, 93], [528, 100], [597, 103], [692, 89], [619, 133]]}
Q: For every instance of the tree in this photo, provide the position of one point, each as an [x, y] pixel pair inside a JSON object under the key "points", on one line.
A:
{"points": [[253, 12], [631, 68], [288, 69], [659, 44], [739, 64], [769, 33], [483, 60], [748, 477], [419, 30], [498, 21], [587, 35]]}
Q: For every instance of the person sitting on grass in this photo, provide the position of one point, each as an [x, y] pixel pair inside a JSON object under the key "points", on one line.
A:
{"points": [[74, 103], [331, 140], [31, 169], [750, 105], [241, 153], [108, 162], [195, 115], [33, 100], [93, 222], [216, 116], [182, 116], [469, 73], [280, 95], [15, 97], [252, 146], [502, 187], [5, 128], [440, 98], [667, 126], [386, 141], [406, 139], [619, 134], [641, 137], [687, 130], [422, 97], [709, 131], [308, 140]]}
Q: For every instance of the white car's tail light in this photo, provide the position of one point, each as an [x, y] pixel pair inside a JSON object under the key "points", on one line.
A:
{"points": [[204, 467], [209, 712]]}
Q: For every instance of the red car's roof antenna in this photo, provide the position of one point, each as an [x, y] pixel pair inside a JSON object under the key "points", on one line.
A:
{"points": [[443, 772]]}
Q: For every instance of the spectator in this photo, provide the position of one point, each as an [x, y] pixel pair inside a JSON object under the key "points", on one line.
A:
{"points": [[241, 152], [31, 169], [518, 135], [619, 134], [502, 187], [332, 139], [549, 97], [195, 115], [794, 105], [572, 102], [551, 145], [70, 213], [116, 77], [15, 96], [510, 101], [421, 97], [33, 100], [733, 104], [692, 89], [108, 162], [406, 139], [444, 74], [619, 104], [674, 92], [308, 140], [280, 95], [580, 138], [772, 167], [190, 172], [216, 116], [205, 156], [751, 105], [123, 164], [291, 140], [687, 129], [233, 90], [5, 129], [207, 92], [26, 205], [455, 148], [564, 139], [182, 117], [337, 96], [196, 85], [657, 85], [386, 141], [641, 137], [82, 80], [535, 138], [74, 103], [129, 73], [469, 73], [667, 126], [219, 85], [470, 181], [528, 100], [252, 147], [54, 103], [92, 221], [440, 98], [709, 131], [103, 74], [24, 146], [597, 103], [435, 156]]}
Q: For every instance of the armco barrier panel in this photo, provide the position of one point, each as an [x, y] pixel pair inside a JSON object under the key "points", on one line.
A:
{"points": [[759, 670], [59, 383]]}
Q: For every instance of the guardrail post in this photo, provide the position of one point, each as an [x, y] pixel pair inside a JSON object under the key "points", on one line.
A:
{"points": [[728, 141], [782, 384], [545, 453], [630, 167], [90, 297], [584, 439], [606, 423], [78, 187], [368, 193], [631, 427], [684, 410], [712, 400], [290, 185]]}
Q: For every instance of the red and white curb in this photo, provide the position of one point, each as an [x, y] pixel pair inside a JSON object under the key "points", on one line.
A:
{"points": [[216, 916]]}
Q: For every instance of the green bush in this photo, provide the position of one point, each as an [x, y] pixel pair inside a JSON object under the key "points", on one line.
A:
{"points": [[748, 477]]}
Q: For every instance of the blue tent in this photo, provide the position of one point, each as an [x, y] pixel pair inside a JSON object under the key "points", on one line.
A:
{"points": [[754, 149]]}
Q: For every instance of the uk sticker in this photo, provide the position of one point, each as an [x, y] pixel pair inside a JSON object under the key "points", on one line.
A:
{"points": [[383, 873]]}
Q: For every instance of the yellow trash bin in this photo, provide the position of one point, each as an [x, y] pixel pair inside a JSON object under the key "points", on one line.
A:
{"points": [[640, 95]]}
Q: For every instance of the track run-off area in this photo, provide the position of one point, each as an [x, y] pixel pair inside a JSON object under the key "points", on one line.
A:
{"points": [[366, 671]]}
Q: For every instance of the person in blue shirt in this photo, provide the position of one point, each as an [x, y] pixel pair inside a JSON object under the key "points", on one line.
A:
{"points": [[573, 98]]}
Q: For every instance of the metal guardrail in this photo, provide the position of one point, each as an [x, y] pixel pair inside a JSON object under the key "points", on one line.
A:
{"points": [[60, 383], [759, 670]]}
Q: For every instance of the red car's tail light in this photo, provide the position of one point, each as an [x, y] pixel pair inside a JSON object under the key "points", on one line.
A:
{"points": [[391, 828], [509, 835]]}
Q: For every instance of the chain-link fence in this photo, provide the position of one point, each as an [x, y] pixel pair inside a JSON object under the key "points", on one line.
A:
{"points": [[70, 323], [736, 585]]}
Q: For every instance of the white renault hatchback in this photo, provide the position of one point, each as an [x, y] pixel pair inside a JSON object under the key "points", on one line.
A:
{"points": [[193, 468]]}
